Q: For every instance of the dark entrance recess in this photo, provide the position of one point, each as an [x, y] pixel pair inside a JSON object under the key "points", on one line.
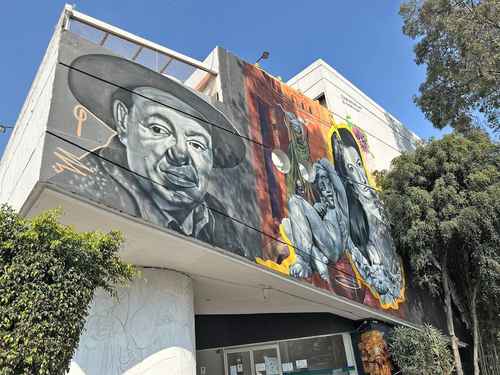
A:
{"points": [[215, 331]]}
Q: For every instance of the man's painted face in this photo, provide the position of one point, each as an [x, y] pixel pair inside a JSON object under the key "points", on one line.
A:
{"points": [[325, 187], [172, 150], [355, 171]]}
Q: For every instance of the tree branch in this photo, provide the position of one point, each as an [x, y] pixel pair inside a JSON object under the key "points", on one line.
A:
{"points": [[458, 304], [494, 263], [472, 9], [435, 262]]}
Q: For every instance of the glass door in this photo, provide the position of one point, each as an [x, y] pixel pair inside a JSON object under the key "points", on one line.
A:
{"points": [[266, 360], [239, 362], [257, 360]]}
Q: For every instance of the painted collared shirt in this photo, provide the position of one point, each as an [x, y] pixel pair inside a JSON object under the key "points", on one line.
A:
{"points": [[106, 179], [197, 218]]}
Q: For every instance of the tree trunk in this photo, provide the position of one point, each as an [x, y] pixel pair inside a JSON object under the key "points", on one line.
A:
{"points": [[449, 315], [475, 329]]}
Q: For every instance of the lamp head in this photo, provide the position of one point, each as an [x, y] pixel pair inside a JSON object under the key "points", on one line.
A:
{"points": [[3, 128], [264, 56]]}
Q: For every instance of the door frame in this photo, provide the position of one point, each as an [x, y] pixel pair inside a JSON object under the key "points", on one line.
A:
{"points": [[251, 349]]}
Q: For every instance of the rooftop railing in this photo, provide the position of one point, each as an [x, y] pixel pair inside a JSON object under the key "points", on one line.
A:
{"points": [[193, 73]]}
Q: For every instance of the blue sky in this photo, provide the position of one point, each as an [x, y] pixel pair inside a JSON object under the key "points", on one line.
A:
{"points": [[361, 39]]}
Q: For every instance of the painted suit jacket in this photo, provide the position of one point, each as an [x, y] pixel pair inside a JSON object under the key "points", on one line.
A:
{"points": [[104, 177]]}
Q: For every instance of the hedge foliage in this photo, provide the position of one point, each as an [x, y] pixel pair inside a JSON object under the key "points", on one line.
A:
{"points": [[421, 352], [48, 275]]}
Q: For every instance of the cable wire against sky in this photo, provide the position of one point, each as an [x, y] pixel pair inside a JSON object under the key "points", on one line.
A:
{"points": [[189, 114], [272, 237], [300, 251]]}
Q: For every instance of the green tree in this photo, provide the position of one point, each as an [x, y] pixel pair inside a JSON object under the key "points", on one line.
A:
{"points": [[459, 42], [420, 352], [48, 275], [443, 204]]}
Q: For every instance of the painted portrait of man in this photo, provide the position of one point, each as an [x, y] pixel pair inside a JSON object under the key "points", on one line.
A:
{"points": [[168, 142]]}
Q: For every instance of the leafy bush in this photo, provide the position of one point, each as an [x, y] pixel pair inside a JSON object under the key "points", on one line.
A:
{"points": [[48, 275], [424, 352]]}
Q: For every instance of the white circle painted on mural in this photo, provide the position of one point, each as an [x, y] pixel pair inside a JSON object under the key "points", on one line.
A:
{"points": [[280, 161], [307, 171]]}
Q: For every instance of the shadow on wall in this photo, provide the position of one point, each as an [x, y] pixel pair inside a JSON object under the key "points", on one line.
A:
{"points": [[405, 140]]}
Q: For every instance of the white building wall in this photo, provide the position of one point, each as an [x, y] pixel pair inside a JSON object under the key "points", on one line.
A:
{"points": [[22, 158], [387, 137], [199, 76], [147, 330]]}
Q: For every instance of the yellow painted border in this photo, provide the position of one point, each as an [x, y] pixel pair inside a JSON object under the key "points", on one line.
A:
{"points": [[394, 305], [284, 267], [334, 129]]}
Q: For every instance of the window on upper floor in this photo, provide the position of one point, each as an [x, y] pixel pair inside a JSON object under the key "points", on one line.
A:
{"points": [[321, 98]]}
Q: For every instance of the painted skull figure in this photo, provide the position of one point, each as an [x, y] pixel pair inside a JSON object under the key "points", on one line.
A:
{"points": [[325, 187], [297, 124], [299, 188]]}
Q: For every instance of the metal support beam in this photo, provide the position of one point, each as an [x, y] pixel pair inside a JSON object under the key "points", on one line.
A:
{"points": [[104, 38], [166, 65], [139, 50]]}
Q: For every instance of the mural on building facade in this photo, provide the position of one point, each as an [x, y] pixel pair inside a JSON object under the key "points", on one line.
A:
{"points": [[144, 144], [374, 353], [162, 150], [323, 202]]}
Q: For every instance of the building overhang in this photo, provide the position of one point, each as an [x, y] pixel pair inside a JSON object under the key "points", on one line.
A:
{"points": [[224, 283]]}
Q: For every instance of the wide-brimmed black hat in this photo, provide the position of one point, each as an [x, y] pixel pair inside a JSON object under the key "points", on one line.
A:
{"points": [[94, 79]]}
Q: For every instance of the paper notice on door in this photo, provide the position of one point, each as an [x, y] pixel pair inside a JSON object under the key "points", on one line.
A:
{"points": [[233, 370], [272, 366], [301, 363], [260, 367], [287, 367]]}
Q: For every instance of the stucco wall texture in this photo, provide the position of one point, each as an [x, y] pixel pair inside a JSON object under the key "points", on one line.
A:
{"points": [[147, 329]]}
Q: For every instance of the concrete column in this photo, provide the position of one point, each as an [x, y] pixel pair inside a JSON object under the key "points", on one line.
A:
{"points": [[148, 330]]}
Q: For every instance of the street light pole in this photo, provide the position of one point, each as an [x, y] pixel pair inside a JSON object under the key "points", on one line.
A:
{"points": [[264, 56]]}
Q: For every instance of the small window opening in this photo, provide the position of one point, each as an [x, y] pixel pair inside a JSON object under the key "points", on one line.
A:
{"points": [[322, 100]]}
